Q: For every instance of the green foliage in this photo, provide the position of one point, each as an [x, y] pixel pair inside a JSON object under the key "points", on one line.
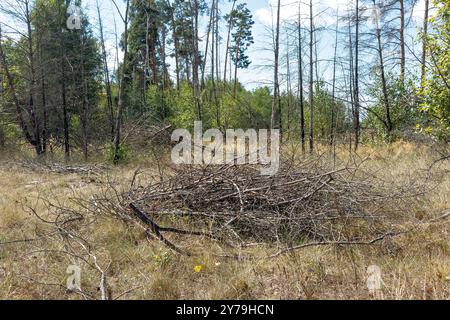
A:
{"points": [[404, 111], [241, 21], [122, 155], [436, 91]]}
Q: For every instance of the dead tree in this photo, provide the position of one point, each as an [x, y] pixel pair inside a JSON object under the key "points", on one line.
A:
{"points": [[32, 130], [109, 101], [311, 78], [120, 103], [276, 105], [62, 61], [227, 49], [388, 121], [424, 45], [300, 81], [356, 84], [402, 43], [333, 107]]}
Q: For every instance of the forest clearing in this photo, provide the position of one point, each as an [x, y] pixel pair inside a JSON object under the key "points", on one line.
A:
{"points": [[224, 150], [135, 265]]}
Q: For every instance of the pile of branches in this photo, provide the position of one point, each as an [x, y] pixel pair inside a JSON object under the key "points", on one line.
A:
{"points": [[238, 205]]}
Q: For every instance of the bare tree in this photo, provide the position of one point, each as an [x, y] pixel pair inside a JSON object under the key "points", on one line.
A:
{"points": [[333, 107], [20, 10], [424, 45], [356, 82], [402, 43], [109, 101], [120, 103], [276, 105], [311, 77], [388, 121], [300, 81], [227, 49]]}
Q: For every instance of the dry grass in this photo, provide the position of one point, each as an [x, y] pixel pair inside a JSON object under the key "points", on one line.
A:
{"points": [[415, 265]]}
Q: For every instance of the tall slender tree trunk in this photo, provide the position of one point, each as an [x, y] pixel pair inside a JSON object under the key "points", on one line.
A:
{"points": [[44, 102], [311, 78], [227, 49], [217, 41], [85, 102], [195, 60], [351, 79], [276, 115], [288, 89], [300, 81], [402, 43], [32, 83], [356, 98], [238, 44], [175, 43], [120, 103], [214, 55], [109, 101], [424, 46], [333, 106], [384, 85], [208, 34], [63, 83]]}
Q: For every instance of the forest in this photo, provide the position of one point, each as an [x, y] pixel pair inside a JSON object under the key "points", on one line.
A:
{"points": [[91, 92]]}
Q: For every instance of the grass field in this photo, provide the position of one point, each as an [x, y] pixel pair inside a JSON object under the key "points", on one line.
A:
{"points": [[414, 265]]}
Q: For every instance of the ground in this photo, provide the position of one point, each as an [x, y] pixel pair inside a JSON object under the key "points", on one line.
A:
{"points": [[414, 265]]}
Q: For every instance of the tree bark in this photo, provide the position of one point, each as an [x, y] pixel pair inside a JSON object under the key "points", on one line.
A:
{"points": [[109, 102], [402, 43], [300, 82], [311, 78], [120, 106], [32, 84], [227, 49], [356, 98], [276, 115], [63, 84], [424, 46], [175, 43], [384, 85]]}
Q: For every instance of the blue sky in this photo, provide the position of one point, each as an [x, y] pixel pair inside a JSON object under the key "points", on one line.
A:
{"points": [[261, 52]]}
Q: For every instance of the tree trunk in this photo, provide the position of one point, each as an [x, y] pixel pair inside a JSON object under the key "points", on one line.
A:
{"points": [[402, 43], [238, 44], [210, 27], [32, 84], [384, 85], [44, 102], [214, 55], [63, 83], [356, 98], [84, 104], [424, 46], [311, 78], [300, 82], [175, 43], [195, 59], [227, 49], [23, 126], [109, 101], [333, 106], [120, 106], [276, 116], [351, 79]]}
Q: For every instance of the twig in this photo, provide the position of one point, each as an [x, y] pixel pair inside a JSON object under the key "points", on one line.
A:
{"points": [[344, 243]]}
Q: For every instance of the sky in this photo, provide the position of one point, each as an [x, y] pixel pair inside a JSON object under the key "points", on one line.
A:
{"points": [[261, 54]]}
